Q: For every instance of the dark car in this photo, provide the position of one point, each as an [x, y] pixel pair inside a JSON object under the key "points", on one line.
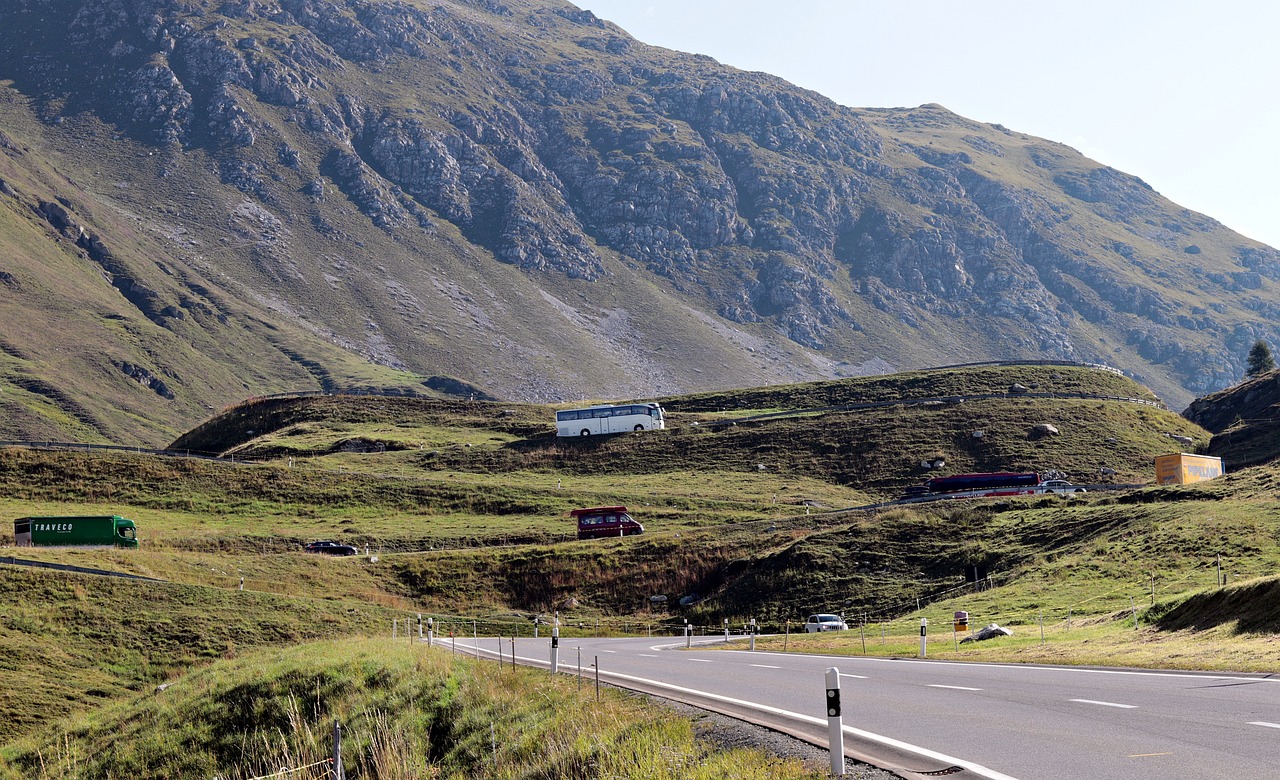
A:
{"points": [[331, 548]]}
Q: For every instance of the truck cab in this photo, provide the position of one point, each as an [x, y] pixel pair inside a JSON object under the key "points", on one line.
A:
{"points": [[601, 521]]}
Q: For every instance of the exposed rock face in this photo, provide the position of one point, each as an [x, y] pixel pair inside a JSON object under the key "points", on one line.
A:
{"points": [[554, 142]]}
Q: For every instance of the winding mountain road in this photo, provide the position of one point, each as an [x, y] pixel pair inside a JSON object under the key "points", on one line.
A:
{"points": [[922, 718]]}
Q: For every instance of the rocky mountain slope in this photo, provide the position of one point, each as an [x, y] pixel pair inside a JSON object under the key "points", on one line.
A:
{"points": [[1245, 421], [202, 201]]}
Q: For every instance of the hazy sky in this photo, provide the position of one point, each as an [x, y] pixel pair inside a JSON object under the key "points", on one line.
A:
{"points": [[1181, 94]]}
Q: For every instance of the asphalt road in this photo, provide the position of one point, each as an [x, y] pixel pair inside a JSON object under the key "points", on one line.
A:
{"points": [[986, 720]]}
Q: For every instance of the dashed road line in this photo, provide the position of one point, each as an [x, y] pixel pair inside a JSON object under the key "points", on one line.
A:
{"points": [[702, 660], [764, 666], [1264, 723], [954, 687], [1106, 704]]}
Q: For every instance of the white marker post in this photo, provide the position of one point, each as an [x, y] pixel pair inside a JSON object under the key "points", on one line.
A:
{"points": [[924, 636], [555, 649], [688, 636], [753, 634], [726, 629], [835, 724], [419, 626], [431, 631]]}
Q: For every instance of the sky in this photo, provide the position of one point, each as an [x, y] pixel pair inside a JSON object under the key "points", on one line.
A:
{"points": [[1182, 94]]}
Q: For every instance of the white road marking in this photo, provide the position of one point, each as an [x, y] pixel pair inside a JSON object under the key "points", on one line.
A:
{"points": [[647, 655], [855, 676], [1106, 704], [954, 687], [606, 651], [1264, 723], [977, 769], [765, 666], [702, 660]]}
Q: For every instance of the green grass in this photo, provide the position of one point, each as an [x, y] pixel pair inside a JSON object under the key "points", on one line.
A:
{"points": [[407, 713]]}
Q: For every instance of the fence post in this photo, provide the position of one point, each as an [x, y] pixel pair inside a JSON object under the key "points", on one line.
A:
{"points": [[835, 725], [338, 773]]}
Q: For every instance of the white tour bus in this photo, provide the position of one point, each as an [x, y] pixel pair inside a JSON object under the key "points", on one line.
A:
{"points": [[609, 419]]}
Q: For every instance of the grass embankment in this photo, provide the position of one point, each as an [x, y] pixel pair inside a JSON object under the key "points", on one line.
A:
{"points": [[71, 642], [407, 713]]}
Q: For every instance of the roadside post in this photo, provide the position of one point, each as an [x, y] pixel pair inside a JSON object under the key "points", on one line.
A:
{"points": [[419, 626], [835, 722], [338, 773], [688, 636], [395, 624], [924, 636], [753, 633], [726, 629], [431, 631], [555, 649]]}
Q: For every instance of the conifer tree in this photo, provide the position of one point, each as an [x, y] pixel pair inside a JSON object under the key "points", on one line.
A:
{"points": [[1260, 360]]}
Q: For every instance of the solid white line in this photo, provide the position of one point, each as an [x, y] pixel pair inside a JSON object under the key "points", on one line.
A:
{"points": [[954, 687], [606, 651], [1106, 704], [855, 676], [647, 655], [977, 769], [702, 660], [1030, 667], [764, 666], [1264, 723]]}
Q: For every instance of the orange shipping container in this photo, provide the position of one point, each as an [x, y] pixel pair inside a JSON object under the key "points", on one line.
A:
{"points": [[1183, 468]]}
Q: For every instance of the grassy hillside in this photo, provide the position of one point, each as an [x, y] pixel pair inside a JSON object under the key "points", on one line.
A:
{"points": [[407, 713], [464, 504]]}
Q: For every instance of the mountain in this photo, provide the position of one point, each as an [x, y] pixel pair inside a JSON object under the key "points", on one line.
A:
{"points": [[202, 201], [1245, 421]]}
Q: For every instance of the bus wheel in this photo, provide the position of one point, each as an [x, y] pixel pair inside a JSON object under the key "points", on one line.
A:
{"points": [[586, 432], [639, 427]]}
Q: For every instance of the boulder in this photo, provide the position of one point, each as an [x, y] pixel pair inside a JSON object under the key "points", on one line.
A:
{"points": [[1044, 429], [990, 631]]}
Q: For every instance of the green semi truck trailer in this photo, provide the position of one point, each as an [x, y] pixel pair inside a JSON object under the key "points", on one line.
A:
{"points": [[78, 531]]}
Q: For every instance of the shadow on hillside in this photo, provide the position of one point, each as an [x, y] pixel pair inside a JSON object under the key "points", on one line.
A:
{"points": [[1255, 607]]}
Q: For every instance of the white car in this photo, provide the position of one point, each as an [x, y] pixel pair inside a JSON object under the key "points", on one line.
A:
{"points": [[817, 623], [1060, 486]]}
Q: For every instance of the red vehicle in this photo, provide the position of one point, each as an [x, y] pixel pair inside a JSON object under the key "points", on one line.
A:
{"points": [[600, 521]]}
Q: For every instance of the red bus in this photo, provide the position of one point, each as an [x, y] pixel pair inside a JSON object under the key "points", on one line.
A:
{"points": [[600, 521]]}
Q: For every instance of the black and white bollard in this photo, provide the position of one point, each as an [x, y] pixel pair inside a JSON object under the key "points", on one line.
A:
{"points": [[835, 722], [753, 633], [419, 626], [431, 631], [688, 635], [924, 636], [726, 629], [555, 649]]}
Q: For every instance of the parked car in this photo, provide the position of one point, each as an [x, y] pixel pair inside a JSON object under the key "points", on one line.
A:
{"points": [[1060, 486], [818, 623], [330, 548]]}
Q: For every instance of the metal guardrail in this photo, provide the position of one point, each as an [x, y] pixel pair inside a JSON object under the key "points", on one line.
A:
{"points": [[76, 569]]}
